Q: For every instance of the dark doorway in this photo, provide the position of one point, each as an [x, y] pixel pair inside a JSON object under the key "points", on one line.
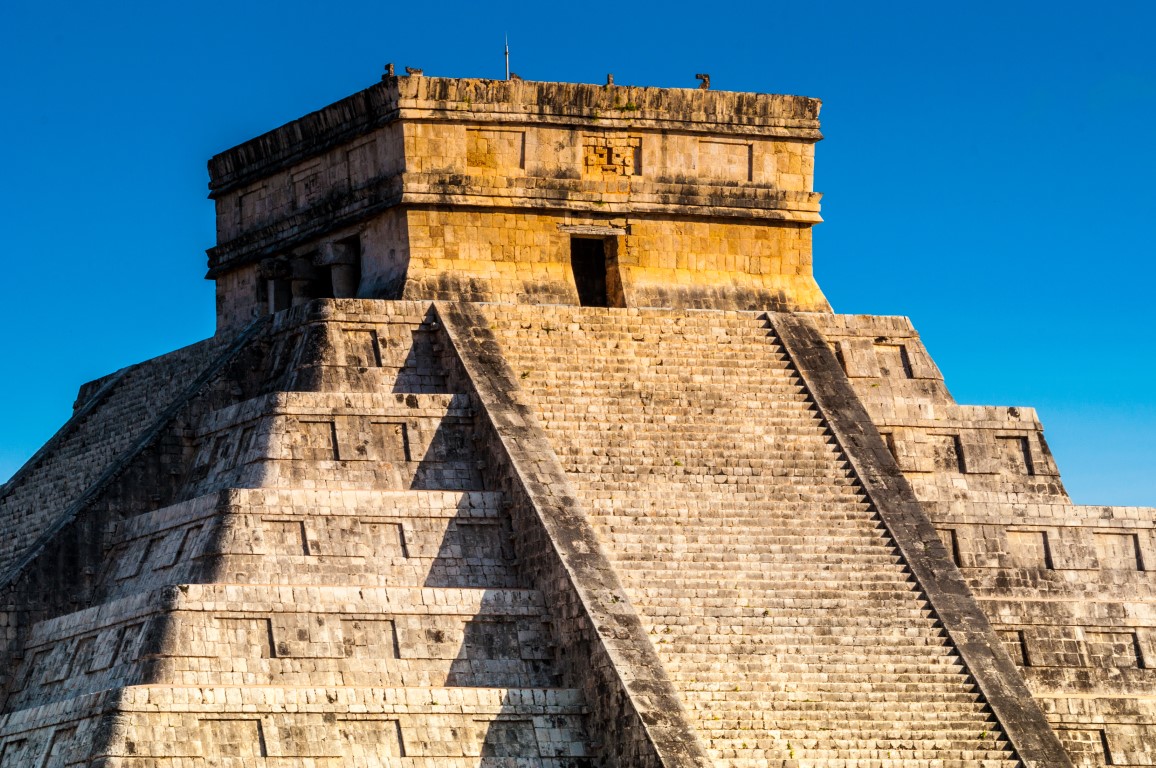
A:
{"points": [[280, 294], [588, 260]]}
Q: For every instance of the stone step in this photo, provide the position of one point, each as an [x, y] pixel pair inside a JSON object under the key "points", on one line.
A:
{"points": [[911, 649], [831, 704], [794, 480], [787, 681], [791, 480], [623, 460], [870, 620], [825, 657], [747, 510], [779, 580], [963, 746], [790, 393], [860, 734], [632, 543], [864, 542], [780, 431], [797, 639], [778, 592], [775, 556], [772, 758], [715, 715], [782, 583], [872, 759], [605, 492], [853, 518], [823, 666]]}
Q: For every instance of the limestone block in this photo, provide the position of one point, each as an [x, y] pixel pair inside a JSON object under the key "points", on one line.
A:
{"points": [[858, 358]]}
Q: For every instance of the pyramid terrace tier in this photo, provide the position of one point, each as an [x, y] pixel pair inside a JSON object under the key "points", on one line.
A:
{"points": [[283, 726]]}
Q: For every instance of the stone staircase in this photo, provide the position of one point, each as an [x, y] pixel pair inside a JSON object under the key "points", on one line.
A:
{"points": [[776, 599], [339, 588], [1066, 587]]}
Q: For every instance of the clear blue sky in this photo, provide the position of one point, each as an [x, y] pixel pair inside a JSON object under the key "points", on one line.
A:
{"points": [[988, 171]]}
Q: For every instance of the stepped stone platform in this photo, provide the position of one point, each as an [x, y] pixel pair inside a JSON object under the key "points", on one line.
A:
{"points": [[527, 439]]}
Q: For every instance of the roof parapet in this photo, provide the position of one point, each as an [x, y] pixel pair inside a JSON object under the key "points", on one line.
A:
{"points": [[512, 102]]}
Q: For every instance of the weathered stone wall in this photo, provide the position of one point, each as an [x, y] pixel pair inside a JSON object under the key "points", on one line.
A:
{"points": [[385, 255], [310, 182], [524, 258], [454, 188], [242, 295], [701, 264], [601, 154], [512, 102], [515, 257]]}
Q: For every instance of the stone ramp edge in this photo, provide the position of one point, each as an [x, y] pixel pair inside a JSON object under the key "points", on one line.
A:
{"points": [[146, 437], [646, 703], [1002, 686], [73, 423]]}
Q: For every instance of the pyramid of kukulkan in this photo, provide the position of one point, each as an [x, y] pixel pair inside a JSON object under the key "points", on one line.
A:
{"points": [[527, 439]]}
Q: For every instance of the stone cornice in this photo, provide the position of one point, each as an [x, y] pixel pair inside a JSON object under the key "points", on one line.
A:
{"points": [[514, 102], [636, 197]]}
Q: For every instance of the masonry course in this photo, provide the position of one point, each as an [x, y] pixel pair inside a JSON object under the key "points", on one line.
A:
{"points": [[527, 438]]}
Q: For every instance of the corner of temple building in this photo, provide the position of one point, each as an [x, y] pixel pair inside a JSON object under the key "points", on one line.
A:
{"points": [[525, 193]]}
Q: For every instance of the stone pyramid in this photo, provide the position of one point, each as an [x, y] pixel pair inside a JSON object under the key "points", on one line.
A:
{"points": [[527, 439]]}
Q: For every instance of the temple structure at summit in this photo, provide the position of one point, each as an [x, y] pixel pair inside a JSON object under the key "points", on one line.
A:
{"points": [[527, 438]]}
